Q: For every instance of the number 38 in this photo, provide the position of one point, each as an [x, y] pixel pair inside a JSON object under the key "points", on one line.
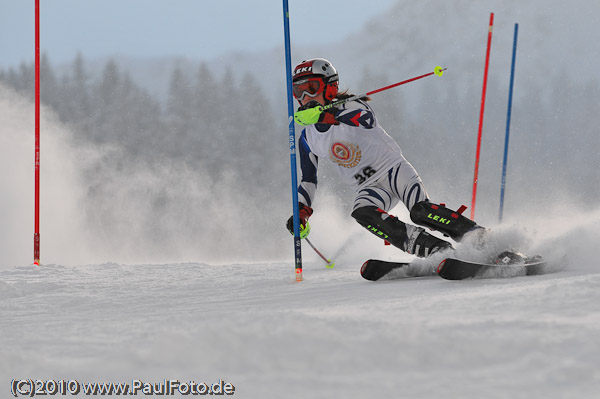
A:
{"points": [[366, 172]]}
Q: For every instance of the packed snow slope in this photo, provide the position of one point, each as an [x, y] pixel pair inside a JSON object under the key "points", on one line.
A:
{"points": [[206, 293], [333, 335]]}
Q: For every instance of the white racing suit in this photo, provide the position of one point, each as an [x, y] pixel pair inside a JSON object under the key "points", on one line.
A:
{"points": [[370, 161], [366, 157]]}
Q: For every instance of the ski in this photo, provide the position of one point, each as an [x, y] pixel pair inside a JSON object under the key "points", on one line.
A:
{"points": [[374, 269], [456, 269], [510, 264]]}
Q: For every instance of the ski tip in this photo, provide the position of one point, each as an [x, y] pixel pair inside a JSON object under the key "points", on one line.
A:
{"points": [[363, 268], [441, 266]]}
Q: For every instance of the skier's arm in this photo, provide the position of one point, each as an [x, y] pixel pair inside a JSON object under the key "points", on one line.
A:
{"points": [[357, 113], [308, 165], [307, 187]]}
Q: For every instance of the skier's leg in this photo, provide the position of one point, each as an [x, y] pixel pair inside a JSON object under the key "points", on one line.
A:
{"points": [[373, 202], [405, 184], [411, 239], [442, 219]]}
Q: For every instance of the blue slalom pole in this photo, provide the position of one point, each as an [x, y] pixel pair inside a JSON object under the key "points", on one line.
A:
{"points": [[510, 96], [292, 141]]}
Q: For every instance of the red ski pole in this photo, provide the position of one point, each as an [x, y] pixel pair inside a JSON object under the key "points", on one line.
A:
{"points": [[311, 115], [329, 263], [438, 70]]}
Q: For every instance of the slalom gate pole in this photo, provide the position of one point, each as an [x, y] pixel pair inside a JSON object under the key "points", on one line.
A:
{"points": [[329, 263], [508, 115], [485, 76], [36, 234], [292, 143]]}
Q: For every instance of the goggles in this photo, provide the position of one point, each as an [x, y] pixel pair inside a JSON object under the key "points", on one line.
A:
{"points": [[311, 87]]}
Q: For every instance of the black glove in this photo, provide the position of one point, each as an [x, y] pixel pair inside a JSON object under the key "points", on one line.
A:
{"points": [[304, 214]]}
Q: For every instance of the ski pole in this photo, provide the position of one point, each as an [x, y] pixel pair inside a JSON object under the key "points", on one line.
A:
{"points": [[329, 263], [312, 114]]}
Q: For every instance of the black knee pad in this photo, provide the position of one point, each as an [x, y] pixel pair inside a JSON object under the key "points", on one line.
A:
{"points": [[442, 219], [366, 215]]}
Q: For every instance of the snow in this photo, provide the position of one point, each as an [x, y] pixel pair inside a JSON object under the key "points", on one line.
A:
{"points": [[332, 335], [249, 324]]}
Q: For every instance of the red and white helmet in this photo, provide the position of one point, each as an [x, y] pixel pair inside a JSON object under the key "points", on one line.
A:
{"points": [[314, 76]]}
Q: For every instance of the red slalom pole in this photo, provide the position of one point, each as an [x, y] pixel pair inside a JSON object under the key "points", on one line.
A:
{"points": [[36, 234], [485, 76]]}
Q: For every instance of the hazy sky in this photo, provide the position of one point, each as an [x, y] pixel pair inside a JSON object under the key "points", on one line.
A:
{"points": [[199, 29]]}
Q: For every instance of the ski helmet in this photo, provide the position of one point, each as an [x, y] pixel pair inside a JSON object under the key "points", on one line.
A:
{"points": [[315, 68]]}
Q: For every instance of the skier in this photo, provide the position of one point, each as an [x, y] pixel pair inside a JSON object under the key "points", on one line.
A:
{"points": [[370, 161]]}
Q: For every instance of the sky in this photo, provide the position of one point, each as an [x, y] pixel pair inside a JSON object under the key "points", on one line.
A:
{"points": [[198, 29]]}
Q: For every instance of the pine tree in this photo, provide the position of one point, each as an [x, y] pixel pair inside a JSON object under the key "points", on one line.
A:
{"points": [[180, 116], [207, 98], [49, 89], [75, 105]]}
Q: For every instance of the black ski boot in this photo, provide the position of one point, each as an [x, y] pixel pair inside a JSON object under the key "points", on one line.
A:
{"points": [[411, 239]]}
